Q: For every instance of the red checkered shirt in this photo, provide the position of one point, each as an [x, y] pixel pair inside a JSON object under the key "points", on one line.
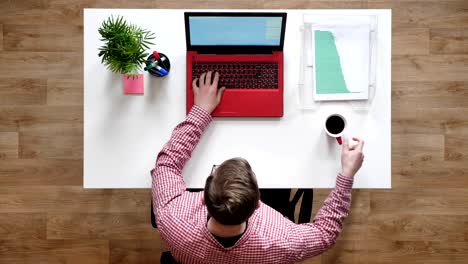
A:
{"points": [[269, 238]]}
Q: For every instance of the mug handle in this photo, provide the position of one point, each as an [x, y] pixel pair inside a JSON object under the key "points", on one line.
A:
{"points": [[339, 140]]}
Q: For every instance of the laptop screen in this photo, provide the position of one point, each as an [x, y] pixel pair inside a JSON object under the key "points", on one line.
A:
{"points": [[235, 30]]}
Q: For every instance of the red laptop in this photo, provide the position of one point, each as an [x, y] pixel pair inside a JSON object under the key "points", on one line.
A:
{"points": [[247, 51]]}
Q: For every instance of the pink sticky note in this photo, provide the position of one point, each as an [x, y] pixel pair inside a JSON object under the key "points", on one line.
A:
{"points": [[133, 85]]}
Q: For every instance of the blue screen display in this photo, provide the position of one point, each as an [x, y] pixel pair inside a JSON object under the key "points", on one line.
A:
{"points": [[236, 31]]}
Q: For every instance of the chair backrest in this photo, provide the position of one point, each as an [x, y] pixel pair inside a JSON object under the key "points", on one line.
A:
{"points": [[278, 199], [305, 210], [167, 258]]}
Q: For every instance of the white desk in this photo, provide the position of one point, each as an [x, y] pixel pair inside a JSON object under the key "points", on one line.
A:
{"points": [[123, 134]]}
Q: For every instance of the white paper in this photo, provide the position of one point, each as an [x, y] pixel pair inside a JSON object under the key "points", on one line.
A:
{"points": [[352, 40]]}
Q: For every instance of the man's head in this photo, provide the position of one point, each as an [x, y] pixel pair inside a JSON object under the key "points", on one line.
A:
{"points": [[231, 192]]}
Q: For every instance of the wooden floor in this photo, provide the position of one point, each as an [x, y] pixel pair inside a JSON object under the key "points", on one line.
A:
{"points": [[47, 217]]}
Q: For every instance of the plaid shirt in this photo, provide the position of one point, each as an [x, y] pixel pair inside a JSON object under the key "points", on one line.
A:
{"points": [[269, 238]]}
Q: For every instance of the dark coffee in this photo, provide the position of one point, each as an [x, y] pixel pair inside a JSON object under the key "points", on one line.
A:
{"points": [[335, 124]]}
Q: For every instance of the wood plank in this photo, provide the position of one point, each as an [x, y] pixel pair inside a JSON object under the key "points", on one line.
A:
{"points": [[136, 251], [355, 226], [65, 65], [430, 68], [410, 41], [71, 12], [345, 252], [411, 175], [128, 4], [25, 4], [1, 37], [73, 199], [58, 65], [54, 12], [22, 172], [456, 148], [414, 227], [360, 203], [210, 4], [418, 147], [448, 94], [32, 15], [16, 64], [416, 125], [420, 14], [54, 251], [408, 119], [417, 252], [420, 201], [65, 12], [22, 226], [52, 141], [449, 41], [22, 91], [30, 12], [35, 37], [314, 260], [8, 145], [305, 4], [12, 118], [100, 226], [64, 92]]}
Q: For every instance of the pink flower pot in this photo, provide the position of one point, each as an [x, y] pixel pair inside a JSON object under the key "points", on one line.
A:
{"points": [[133, 84]]}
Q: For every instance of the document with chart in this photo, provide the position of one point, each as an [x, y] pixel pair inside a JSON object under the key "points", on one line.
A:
{"points": [[341, 50]]}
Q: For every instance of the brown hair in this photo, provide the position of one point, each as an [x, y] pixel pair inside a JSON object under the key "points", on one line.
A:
{"points": [[231, 192]]}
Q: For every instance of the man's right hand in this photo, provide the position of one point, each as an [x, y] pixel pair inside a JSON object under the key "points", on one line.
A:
{"points": [[351, 157], [206, 94]]}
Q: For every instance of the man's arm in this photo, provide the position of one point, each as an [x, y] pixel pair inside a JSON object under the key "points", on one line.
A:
{"points": [[311, 239], [167, 180]]}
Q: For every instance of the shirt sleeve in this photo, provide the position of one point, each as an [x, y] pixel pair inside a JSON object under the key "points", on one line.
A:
{"points": [[311, 239], [167, 180]]}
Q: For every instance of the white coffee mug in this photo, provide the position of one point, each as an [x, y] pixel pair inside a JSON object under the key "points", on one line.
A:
{"points": [[335, 125]]}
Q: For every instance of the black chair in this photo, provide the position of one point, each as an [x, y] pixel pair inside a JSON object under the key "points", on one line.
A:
{"points": [[278, 199]]}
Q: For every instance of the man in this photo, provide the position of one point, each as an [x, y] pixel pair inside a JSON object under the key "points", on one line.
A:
{"points": [[226, 223]]}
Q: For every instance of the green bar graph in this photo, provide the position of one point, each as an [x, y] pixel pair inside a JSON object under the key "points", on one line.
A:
{"points": [[328, 71]]}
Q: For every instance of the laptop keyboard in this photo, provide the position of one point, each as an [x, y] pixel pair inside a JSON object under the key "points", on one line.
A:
{"points": [[241, 75]]}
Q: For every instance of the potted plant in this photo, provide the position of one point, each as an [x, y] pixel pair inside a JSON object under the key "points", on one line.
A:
{"points": [[124, 51]]}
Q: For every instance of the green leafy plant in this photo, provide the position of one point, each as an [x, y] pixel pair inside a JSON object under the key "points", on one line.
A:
{"points": [[124, 46]]}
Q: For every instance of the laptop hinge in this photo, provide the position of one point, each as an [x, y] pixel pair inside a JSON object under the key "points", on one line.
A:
{"points": [[233, 50]]}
